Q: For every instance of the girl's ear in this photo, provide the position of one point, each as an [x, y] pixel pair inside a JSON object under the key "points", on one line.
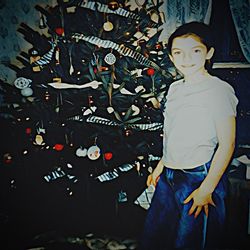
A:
{"points": [[210, 53], [171, 58]]}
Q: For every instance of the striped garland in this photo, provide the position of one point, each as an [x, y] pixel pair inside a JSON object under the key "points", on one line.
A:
{"points": [[122, 49], [105, 9], [46, 58], [146, 126], [113, 174]]}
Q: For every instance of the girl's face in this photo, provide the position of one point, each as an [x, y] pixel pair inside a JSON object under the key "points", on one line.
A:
{"points": [[189, 55]]}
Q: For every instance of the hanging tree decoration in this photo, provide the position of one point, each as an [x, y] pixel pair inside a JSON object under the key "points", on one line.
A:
{"points": [[108, 26], [121, 48], [106, 9], [113, 5], [46, 58], [110, 58], [23, 84], [104, 121]]}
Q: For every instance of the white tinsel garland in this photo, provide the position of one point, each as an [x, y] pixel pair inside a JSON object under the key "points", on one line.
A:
{"points": [[105, 9], [122, 49]]}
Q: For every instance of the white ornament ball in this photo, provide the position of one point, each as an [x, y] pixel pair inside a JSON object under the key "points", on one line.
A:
{"points": [[110, 110], [108, 26], [110, 59], [27, 91], [22, 82], [81, 152], [94, 152]]}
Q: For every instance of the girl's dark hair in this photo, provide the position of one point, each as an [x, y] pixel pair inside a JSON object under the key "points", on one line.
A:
{"points": [[198, 29], [201, 30]]}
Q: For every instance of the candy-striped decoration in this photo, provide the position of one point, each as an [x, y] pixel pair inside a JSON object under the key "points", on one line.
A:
{"points": [[46, 58], [122, 49], [105, 9]]}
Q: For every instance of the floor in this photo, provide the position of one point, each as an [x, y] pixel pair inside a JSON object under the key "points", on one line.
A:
{"points": [[31, 219]]}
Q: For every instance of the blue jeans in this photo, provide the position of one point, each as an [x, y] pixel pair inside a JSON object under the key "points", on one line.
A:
{"points": [[168, 225]]}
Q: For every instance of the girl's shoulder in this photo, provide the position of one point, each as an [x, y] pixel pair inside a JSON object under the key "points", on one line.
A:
{"points": [[219, 84]]}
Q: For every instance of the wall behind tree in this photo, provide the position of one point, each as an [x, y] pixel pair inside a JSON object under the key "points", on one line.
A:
{"points": [[12, 13]]}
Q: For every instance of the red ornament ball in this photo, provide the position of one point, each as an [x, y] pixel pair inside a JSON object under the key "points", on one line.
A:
{"points": [[28, 131], [58, 147], [108, 156], [59, 31], [150, 72]]}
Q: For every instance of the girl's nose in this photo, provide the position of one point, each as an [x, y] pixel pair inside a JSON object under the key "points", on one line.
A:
{"points": [[186, 57]]}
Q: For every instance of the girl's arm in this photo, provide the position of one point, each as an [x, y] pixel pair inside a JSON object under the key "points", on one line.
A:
{"points": [[202, 196], [153, 178]]}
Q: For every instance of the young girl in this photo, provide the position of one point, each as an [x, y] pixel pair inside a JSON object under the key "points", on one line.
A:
{"points": [[188, 210]]}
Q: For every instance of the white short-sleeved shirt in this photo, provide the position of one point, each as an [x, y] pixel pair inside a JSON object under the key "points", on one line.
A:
{"points": [[189, 129]]}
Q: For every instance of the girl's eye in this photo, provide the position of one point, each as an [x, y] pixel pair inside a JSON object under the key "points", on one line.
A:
{"points": [[197, 50], [176, 52]]}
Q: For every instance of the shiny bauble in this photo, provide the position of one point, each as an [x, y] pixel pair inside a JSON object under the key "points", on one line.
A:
{"points": [[108, 26], [22, 82], [81, 152], [27, 92], [113, 5], [94, 152], [110, 59]]}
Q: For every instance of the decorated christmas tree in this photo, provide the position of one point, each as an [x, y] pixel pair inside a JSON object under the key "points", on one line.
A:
{"points": [[86, 107]]}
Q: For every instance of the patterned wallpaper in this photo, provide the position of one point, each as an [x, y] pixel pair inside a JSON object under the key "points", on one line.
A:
{"points": [[12, 13]]}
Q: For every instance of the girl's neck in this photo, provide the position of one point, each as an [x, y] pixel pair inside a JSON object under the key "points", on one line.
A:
{"points": [[196, 78]]}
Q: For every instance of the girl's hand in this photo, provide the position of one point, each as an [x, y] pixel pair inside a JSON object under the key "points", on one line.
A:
{"points": [[201, 200], [152, 179]]}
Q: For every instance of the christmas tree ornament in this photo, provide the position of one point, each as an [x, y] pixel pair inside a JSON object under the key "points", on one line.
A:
{"points": [[28, 131], [89, 111], [57, 55], [135, 109], [122, 196], [128, 132], [57, 79], [25, 152], [27, 92], [59, 31], [145, 198], [110, 110], [90, 100], [113, 5], [34, 57], [58, 147], [108, 156], [140, 88], [158, 46], [110, 59], [71, 9], [94, 152], [47, 96], [7, 158], [121, 48], [22, 82], [42, 22], [108, 26], [150, 72], [81, 152], [39, 140], [154, 16]]}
